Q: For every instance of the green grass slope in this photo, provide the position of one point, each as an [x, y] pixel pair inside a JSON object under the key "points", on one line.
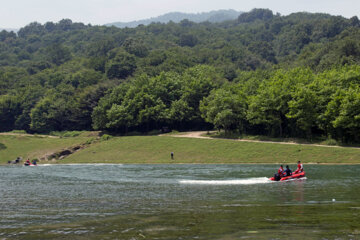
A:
{"points": [[156, 149], [32, 146]]}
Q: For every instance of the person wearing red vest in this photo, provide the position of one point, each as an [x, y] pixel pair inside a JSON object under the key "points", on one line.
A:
{"points": [[300, 168], [281, 171]]}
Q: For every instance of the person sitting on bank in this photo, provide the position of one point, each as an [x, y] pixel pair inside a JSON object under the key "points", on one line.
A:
{"points": [[288, 171], [300, 168]]}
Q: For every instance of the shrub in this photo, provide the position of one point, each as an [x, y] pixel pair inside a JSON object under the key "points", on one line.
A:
{"points": [[105, 137], [66, 133], [19, 131], [331, 142]]}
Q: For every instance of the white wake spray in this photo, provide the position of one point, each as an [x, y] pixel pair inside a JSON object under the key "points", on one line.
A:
{"points": [[246, 181], [80, 164]]}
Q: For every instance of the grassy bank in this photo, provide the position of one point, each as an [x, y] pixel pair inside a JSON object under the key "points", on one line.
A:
{"points": [[13, 146], [156, 149]]}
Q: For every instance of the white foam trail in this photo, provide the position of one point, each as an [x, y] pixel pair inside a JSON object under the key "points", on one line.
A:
{"points": [[246, 181], [81, 164]]}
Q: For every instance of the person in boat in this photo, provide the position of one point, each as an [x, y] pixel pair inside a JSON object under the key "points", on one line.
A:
{"points": [[288, 171], [27, 162], [280, 173], [300, 168], [34, 162]]}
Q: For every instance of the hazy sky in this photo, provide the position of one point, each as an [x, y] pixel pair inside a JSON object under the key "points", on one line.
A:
{"points": [[18, 13]]}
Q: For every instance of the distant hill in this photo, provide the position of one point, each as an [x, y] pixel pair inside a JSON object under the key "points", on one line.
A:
{"points": [[213, 16], [9, 29]]}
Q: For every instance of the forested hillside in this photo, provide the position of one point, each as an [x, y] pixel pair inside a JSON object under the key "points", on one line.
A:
{"points": [[289, 76]]}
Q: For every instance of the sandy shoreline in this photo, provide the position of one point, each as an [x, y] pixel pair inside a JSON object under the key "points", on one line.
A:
{"points": [[177, 163]]}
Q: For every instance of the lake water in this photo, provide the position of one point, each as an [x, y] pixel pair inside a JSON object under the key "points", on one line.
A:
{"points": [[178, 202]]}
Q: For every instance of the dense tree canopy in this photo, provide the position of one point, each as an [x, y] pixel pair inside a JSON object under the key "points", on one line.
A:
{"points": [[263, 73]]}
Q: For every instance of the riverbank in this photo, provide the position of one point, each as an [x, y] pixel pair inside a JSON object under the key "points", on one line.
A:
{"points": [[157, 150], [32, 147]]}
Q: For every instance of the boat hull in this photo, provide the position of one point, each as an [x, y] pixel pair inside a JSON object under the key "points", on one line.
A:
{"points": [[293, 176]]}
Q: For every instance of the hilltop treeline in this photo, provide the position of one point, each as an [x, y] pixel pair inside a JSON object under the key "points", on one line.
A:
{"points": [[295, 75]]}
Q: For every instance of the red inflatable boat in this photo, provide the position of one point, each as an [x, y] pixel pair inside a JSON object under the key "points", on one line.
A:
{"points": [[29, 164], [297, 175]]}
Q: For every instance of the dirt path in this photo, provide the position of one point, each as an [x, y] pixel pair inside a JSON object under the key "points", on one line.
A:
{"points": [[198, 134], [27, 135], [202, 134]]}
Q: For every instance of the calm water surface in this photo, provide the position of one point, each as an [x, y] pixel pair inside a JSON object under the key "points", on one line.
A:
{"points": [[177, 202]]}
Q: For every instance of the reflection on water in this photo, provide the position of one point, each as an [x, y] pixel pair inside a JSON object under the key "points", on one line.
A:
{"points": [[177, 202], [299, 194]]}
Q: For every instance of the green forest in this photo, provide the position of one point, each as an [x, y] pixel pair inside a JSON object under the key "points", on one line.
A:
{"points": [[263, 73]]}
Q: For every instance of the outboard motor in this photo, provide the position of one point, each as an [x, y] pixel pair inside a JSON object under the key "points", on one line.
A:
{"points": [[277, 177]]}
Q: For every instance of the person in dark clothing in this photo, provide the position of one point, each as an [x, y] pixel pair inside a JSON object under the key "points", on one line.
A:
{"points": [[288, 171], [172, 155]]}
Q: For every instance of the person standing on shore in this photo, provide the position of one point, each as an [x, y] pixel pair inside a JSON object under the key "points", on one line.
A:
{"points": [[172, 155]]}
